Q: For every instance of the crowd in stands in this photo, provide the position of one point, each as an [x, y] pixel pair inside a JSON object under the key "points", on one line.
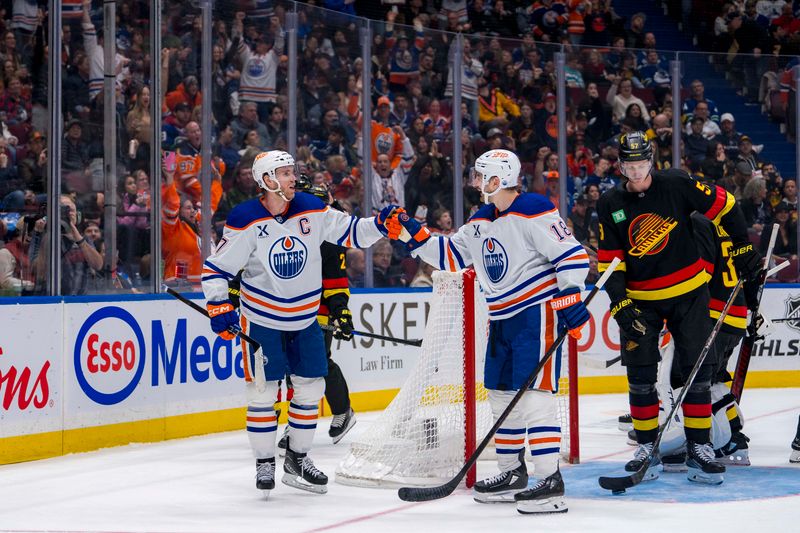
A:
{"points": [[617, 81]]}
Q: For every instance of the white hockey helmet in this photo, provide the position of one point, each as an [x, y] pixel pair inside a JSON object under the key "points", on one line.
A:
{"points": [[267, 163], [501, 163]]}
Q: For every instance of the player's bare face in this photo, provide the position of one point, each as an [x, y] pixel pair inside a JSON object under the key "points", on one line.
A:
{"points": [[286, 179], [638, 174]]}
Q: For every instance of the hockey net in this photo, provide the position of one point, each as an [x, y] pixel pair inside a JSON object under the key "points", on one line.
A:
{"points": [[442, 410]]}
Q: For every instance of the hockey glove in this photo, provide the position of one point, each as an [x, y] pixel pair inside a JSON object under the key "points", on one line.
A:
{"points": [[747, 261], [343, 320], [628, 316], [412, 232], [224, 319], [387, 214], [571, 310]]}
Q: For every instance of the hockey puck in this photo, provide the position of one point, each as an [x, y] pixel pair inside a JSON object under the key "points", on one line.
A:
{"points": [[617, 492]]}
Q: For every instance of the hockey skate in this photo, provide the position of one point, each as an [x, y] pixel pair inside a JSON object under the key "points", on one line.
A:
{"points": [[736, 452], [625, 422], [341, 424], [795, 456], [703, 466], [502, 487], [674, 463], [639, 457], [546, 497], [282, 442], [265, 475], [300, 473]]}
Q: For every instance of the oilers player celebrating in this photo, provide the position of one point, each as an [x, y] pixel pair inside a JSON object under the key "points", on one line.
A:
{"points": [[276, 240], [532, 270]]}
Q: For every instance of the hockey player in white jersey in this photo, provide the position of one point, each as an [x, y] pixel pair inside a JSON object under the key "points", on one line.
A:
{"points": [[531, 270], [276, 240]]}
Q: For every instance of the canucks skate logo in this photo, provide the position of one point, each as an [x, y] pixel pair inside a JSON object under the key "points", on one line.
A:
{"points": [[649, 234], [793, 311], [287, 257], [495, 259]]}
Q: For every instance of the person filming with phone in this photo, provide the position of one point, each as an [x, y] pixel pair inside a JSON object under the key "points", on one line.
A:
{"points": [[79, 256]]}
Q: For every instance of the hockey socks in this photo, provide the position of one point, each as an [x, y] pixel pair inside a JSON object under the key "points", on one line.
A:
{"points": [[302, 424], [696, 409], [262, 423], [644, 411]]}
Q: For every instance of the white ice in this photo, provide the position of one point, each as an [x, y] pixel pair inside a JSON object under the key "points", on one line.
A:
{"points": [[206, 484]]}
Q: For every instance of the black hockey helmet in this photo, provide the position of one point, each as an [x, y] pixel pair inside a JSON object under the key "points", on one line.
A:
{"points": [[635, 146], [305, 184]]}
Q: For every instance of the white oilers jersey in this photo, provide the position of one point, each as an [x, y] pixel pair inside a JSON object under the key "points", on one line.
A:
{"points": [[522, 256], [282, 279]]}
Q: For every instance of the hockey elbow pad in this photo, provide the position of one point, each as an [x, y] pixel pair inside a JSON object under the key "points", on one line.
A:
{"points": [[571, 310], [224, 319]]}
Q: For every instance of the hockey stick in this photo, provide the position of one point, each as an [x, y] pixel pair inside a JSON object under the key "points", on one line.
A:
{"points": [[424, 494], [787, 319], [409, 342], [258, 355], [750, 338], [591, 362], [619, 484]]}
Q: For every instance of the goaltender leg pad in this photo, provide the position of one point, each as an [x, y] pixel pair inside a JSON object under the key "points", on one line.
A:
{"points": [[510, 438], [304, 411], [262, 422], [544, 431], [515, 347]]}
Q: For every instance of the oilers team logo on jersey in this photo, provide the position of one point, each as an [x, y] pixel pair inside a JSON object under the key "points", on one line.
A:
{"points": [[495, 259], [287, 257], [256, 67]]}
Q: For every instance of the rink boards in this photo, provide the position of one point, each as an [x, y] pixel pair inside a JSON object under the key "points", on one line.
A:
{"points": [[78, 374]]}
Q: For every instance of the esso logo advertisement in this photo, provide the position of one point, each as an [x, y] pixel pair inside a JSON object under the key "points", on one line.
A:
{"points": [[109, 355]]}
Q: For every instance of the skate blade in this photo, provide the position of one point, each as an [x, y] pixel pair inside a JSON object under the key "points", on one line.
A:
{"points": [[266, 493], [696, 475], [347, 428], [495, 497], [546, 506], [795, 457], [674, 468], [299, 483]]}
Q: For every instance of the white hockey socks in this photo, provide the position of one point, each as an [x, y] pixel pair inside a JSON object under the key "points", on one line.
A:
{"points": [[304, 411], [262, 422]]}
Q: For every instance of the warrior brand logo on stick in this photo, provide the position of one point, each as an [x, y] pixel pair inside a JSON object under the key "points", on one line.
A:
{"points": [[649, 234]]}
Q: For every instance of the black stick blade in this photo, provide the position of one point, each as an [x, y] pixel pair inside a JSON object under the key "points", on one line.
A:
{"points": [[426, 494], [617, 484]]}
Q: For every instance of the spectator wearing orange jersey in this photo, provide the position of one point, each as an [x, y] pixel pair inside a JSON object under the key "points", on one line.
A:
{"points": [[187, 92], [180, 233]]}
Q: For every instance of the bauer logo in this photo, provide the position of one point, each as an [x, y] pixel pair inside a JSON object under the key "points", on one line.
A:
{"points": [[109, 355], [287, 257], [495, 260]]}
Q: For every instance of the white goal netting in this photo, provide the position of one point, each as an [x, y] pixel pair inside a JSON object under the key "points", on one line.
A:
{"points": [[420, 439]]}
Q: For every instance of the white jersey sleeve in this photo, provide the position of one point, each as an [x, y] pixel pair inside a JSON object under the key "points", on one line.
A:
{"points": [[230, 256], [350, 231], [446, 253], [551, 237]]}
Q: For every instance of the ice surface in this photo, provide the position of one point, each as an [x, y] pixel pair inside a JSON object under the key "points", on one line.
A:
{"points": [[206, 484]]}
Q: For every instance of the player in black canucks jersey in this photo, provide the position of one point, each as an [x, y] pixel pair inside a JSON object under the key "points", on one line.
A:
{"points": [[645, 222]]}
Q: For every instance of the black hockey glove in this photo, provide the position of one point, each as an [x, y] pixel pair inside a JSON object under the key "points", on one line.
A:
{"points": [[748, 266], [747, 261], [628, 316], [343, 321]]}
